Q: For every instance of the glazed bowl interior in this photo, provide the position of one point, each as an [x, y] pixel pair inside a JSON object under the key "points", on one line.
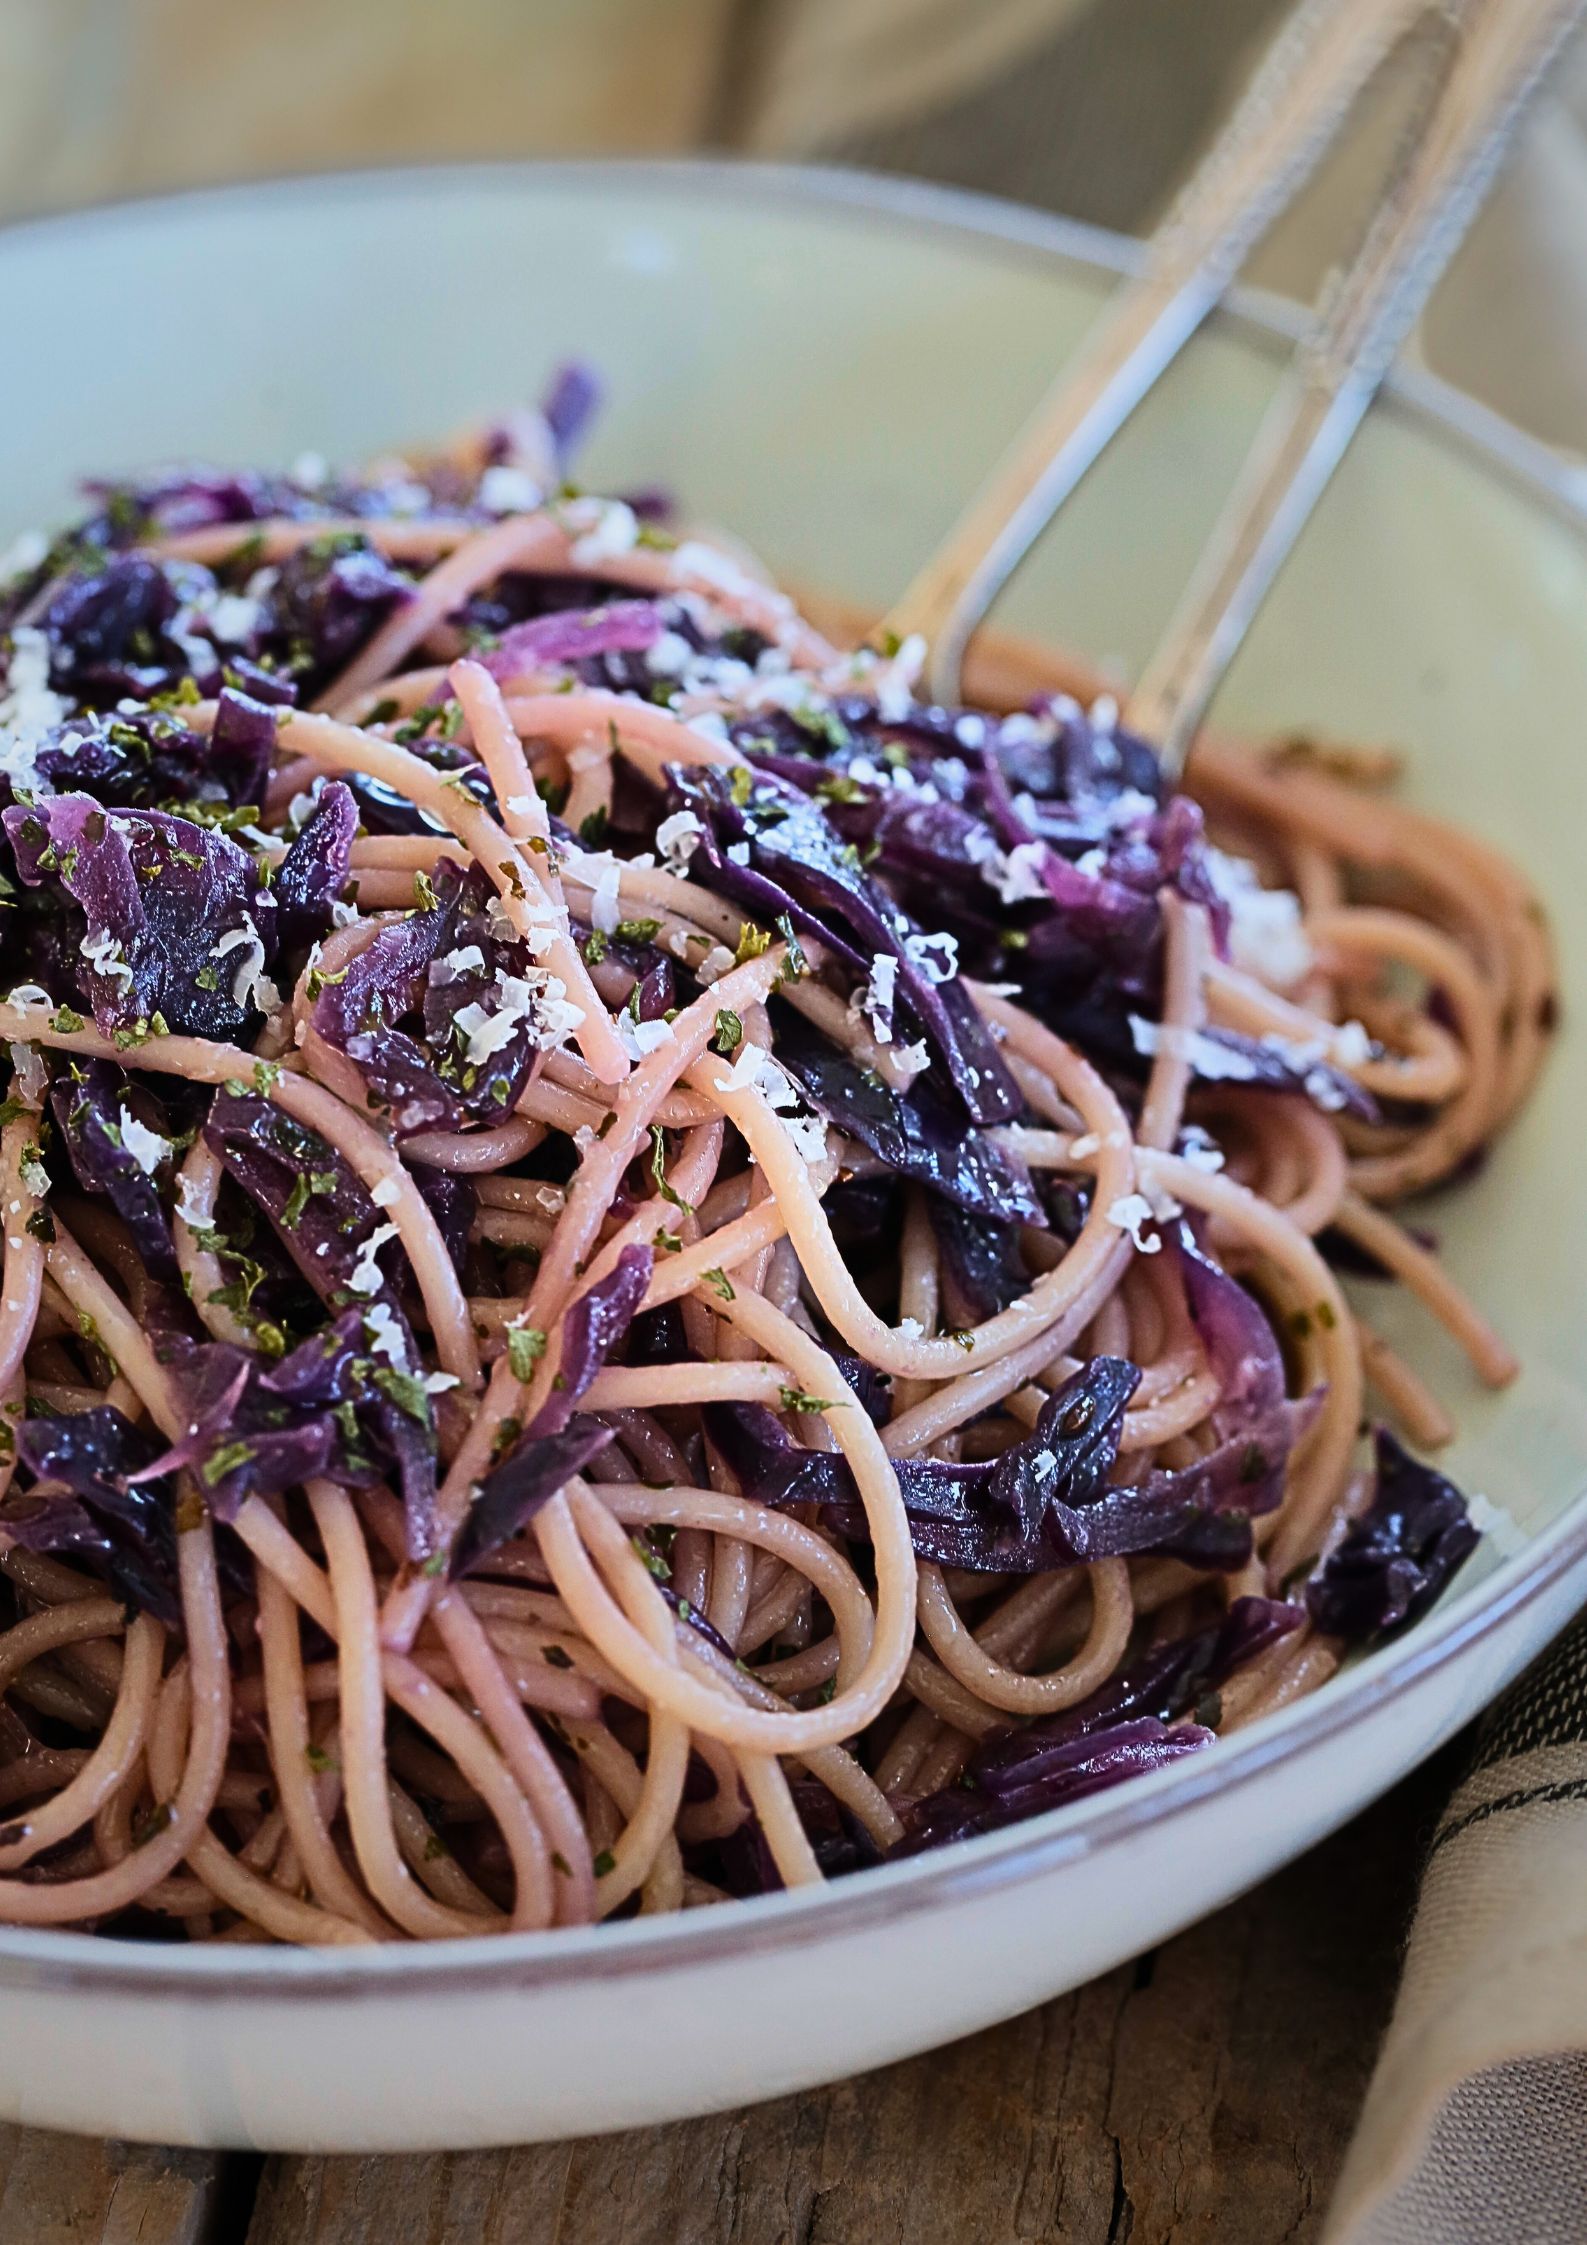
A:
{"points": [[826, 365]]}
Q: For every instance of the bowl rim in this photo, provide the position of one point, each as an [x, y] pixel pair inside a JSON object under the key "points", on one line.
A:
{"points": [[43, 1958]]}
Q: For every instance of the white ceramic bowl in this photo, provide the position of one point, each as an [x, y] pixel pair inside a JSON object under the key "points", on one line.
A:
{"points": [[828, 363]]}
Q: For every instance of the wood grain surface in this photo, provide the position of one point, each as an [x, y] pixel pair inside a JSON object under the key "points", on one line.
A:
{"points": [[1205, 2092]]}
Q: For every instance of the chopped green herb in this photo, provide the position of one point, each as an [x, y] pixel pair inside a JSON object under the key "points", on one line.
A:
{"points": [[526, 1345], [226, 1459], [406, 1392], [795, 1399], [658, 1159], [719, 1283]]}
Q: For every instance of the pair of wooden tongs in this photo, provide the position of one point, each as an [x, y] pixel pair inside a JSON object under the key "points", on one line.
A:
{"points": [[1484, 60]]}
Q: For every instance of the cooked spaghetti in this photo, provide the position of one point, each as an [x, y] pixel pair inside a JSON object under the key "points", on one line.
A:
{"points": [[638, 1269]]}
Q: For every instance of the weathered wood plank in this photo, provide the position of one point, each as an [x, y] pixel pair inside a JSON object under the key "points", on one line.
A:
{"points": [[1207, 2092], [72, 2190]]}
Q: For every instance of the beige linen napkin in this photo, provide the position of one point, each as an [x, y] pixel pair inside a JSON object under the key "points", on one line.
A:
{"points": [[1475, 2127]]}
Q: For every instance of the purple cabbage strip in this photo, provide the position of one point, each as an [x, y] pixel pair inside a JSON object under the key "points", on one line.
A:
{"points": [[311, 877], [82, 1503], [1047, 1501], [128, 630], [571, 401], [329, 599], [1118, 1731], [592, 1327], [158, 895], [242, 742], [91, 1102], [318, 1204], [983, 1269], [799, 865], [915, 1133], [1271, 1064], [151, 757], [513, 1492], [621, 627], [1413, 1538], [1086, 1765], [1167, 1681], [337, 1404], [419, 1074], [554, 1445]]}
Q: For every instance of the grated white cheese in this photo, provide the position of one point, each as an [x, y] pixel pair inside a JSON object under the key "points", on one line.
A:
{"points": [[605, 911], [386, 1193], [366, 1276], [1199, 1150], [1131, 1212], [672, 656], [1267, 937], [608, 528], [192, 1205], [1017, 874], [708, 565], [147, 1148], [506, 490], [385, 1335], [250, 985], [756, 1070], [717, 962], [639, 1039], [30, 709], [1214, 1063], [677, 838], [936, 956], [105, 955], [1501, 1528], [32, 1077], [876, 997], [449, 968]]}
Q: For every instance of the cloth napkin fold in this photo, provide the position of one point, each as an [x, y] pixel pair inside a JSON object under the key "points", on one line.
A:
{"points": [[1474, 2130]]}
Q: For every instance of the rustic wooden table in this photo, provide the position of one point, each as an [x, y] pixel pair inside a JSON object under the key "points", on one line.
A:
{"points": [[1205, 2092]]}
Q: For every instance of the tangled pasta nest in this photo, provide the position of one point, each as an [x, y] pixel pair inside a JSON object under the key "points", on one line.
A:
{"points": [[637, 1268]]}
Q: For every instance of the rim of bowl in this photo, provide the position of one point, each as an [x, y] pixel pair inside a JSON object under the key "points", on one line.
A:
{"points": [[42, 1957]]}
